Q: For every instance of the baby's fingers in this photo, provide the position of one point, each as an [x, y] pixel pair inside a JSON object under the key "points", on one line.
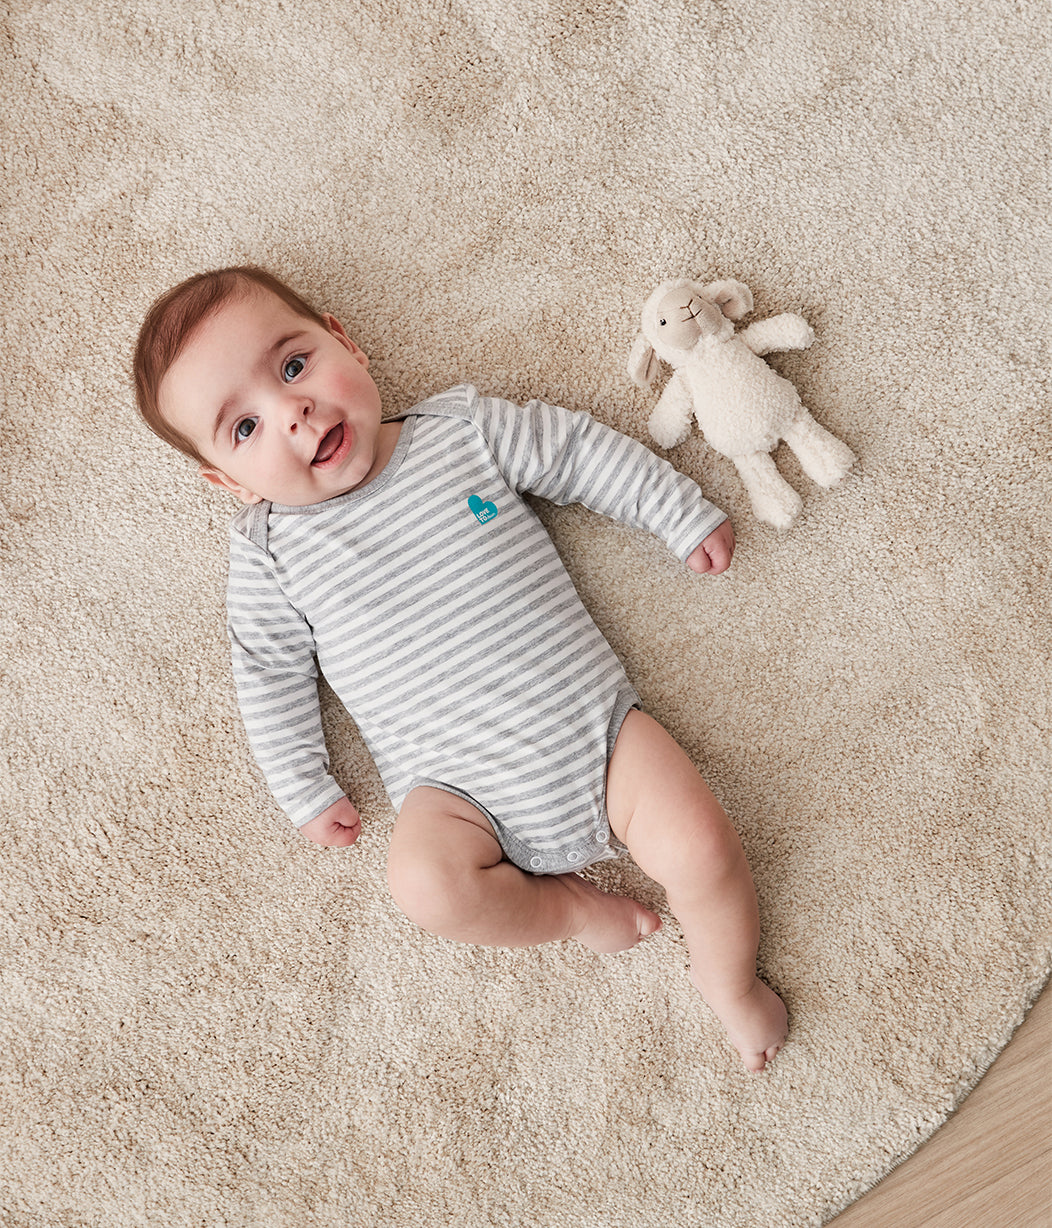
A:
{"points": [[699, 560], [715, 552], [340, 837]]}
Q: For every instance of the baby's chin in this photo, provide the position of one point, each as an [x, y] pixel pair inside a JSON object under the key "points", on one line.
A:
{"points": [[300, 498]]}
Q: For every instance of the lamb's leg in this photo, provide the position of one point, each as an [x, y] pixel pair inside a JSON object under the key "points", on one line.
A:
{"points": [[773, 500], [824, 458]]}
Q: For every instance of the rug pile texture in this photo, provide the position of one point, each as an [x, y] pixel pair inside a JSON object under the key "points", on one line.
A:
{"points": [[205, 1020]]}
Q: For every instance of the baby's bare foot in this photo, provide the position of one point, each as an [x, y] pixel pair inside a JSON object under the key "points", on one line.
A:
{"points": [[756, 1022], [607, 923]]}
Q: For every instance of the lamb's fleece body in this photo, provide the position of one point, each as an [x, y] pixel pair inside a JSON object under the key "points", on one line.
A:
{"points": [[742, 405]]}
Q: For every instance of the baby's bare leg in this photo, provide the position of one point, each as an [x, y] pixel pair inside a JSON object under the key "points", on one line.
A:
{"points": [[678, 833], [447, 874]]}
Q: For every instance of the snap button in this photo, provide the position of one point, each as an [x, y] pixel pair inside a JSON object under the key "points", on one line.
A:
{"points": [[536, 863], [602, 836], [574, 856]]}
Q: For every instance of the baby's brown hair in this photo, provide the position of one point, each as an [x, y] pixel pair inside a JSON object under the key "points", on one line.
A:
{"points": [[171, 321]]}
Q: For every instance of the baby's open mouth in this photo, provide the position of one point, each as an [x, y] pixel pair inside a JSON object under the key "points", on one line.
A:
{"points": [[329, 445]]}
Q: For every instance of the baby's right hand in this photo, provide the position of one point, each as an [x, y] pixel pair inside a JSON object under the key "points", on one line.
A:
{"points": [[338, 826]]}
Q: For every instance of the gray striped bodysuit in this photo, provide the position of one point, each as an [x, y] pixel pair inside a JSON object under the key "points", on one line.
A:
{"points": [[436, 606]]}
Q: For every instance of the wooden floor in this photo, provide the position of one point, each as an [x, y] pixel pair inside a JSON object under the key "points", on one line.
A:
{"points": [[990, 1166]]}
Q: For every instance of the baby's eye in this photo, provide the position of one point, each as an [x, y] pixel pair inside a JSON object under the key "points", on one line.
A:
{"points": [[292, 368], [243, 429]]}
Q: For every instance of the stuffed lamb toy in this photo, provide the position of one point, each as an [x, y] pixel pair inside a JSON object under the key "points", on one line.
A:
{"points": [[742, 407]]}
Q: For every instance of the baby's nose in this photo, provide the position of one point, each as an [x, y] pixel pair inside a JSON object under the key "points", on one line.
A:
{"points": [[298, 412]]}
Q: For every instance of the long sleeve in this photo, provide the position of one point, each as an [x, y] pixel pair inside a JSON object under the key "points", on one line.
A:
{"points": [[275, 672], [569, 457]]}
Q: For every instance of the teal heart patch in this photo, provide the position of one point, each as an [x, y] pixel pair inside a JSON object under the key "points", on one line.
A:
{"points": [[483, 511]]}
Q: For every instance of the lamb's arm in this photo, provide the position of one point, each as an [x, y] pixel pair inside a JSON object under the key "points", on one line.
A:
{"points": [[670, 420], [787, 331]]}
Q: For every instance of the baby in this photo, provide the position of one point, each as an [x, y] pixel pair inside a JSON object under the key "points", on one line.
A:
{"points": [[398, 556]]}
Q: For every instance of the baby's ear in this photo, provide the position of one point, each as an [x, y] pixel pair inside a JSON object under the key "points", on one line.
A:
{"points": [[339, 332], [218, 478]]}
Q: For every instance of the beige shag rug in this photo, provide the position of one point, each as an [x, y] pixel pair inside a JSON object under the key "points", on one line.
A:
{"points": [[206, 1021]]}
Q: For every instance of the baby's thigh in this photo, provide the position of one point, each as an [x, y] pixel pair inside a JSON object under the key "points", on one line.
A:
{"points": [[438, 840], [657, 801]]}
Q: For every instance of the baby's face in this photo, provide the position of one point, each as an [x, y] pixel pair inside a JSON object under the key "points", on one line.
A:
{"points": [[282, 408]]}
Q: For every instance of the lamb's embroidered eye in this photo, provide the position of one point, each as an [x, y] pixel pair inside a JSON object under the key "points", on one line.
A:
{"points": [[243, 429], [662, 323], [292, 368]]}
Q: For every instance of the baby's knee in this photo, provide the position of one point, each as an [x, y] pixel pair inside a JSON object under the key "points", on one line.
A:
{"points": [[693, 851], [425, 891]]}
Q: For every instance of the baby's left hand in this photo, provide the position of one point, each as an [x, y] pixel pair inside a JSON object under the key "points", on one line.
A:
{"points": [[715, 552]]}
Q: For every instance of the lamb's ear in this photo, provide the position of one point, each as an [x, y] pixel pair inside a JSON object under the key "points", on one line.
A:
{"points": [[733, 298], [643, 363]]}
